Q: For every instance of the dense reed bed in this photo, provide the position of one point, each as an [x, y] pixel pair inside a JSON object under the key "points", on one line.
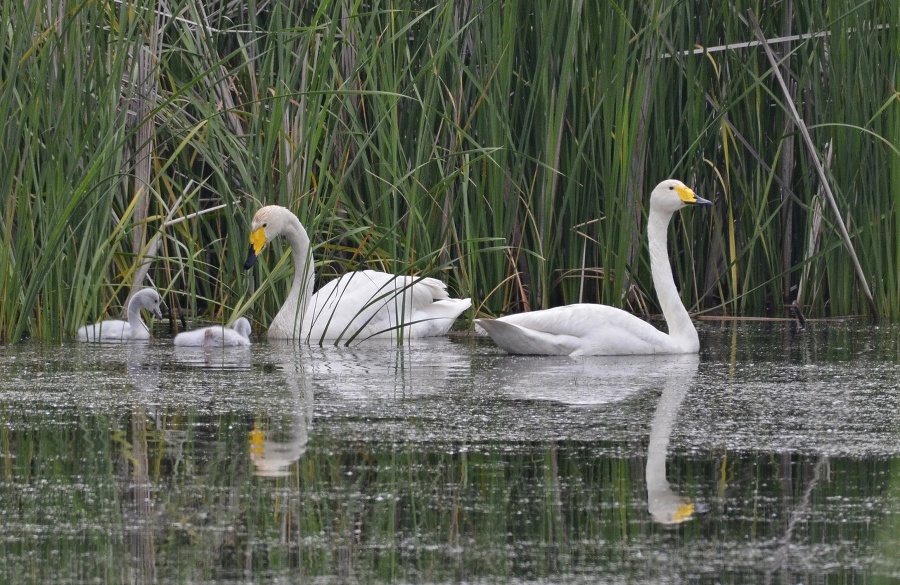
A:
{"points": [[506, 148]]}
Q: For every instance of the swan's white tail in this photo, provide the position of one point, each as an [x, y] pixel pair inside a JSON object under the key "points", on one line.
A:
{"points": [[519, 340]]}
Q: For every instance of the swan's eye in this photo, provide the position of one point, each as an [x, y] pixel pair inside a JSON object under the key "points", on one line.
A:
{"points": [[265, 224], [671, 188]]}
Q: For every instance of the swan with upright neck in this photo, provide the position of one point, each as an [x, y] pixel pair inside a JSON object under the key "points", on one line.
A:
{"points": [[134, 329], [357, 306], [590, 329]]}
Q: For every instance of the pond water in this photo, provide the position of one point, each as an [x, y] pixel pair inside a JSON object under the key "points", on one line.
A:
{"points": [[774, 456]]}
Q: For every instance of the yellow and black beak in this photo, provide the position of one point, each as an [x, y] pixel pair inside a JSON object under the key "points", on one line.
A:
{"points": [[688, 196], [257, 243], [684, 511]]}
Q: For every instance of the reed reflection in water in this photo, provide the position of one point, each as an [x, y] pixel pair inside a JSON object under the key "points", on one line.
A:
{"points": [[443, 462]]}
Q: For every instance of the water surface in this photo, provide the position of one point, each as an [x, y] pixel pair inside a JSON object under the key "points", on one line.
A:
{"points": [[774, 456]]}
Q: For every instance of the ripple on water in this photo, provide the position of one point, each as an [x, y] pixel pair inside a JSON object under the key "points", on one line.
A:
{"points": [[453, 459]]}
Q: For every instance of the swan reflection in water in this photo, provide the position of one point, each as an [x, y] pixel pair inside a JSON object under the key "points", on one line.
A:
{"points": [[609, 380], [665, 506], [380, 371], [237, 357], [341, 377], [271, 457]]}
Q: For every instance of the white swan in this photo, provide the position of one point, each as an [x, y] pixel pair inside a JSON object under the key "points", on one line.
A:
{"points": [[132, 330], [217, 336], [358, 305], [589, 329]]}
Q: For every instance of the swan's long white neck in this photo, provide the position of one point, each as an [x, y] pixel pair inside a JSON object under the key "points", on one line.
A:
{"points": [[292, 312], [135, 321], [681, 329]]}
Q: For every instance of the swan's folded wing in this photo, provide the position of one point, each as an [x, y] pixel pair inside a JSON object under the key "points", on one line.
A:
{"points": [[520, 340], [586, 329], [190, 338], [437, 318], [214, 336], [369, 303], [112, 331], [226, 337]]}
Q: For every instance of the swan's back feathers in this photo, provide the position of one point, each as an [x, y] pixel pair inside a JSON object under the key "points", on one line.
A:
{"points": [[238, 335], [372, 304], [225, 337], [242, 327], [112, 331], [214, 336], [437, 288], [437, 318], [580, 329], [516, 339]]}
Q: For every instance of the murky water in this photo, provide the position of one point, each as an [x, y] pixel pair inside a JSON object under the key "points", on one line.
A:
{"points": [[773, 457]]}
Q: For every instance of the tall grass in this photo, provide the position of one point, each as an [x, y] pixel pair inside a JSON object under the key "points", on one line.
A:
{"points": [[506, 148]]}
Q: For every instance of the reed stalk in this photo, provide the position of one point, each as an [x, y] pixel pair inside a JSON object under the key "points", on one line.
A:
{"points": [[463, 140]]}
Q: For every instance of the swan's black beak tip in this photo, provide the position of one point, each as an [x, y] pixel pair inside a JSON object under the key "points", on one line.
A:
{"points": [[701, 201], [251, 259]]}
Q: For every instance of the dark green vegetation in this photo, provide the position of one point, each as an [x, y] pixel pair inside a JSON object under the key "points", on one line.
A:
{"points": [[505, 147]]}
